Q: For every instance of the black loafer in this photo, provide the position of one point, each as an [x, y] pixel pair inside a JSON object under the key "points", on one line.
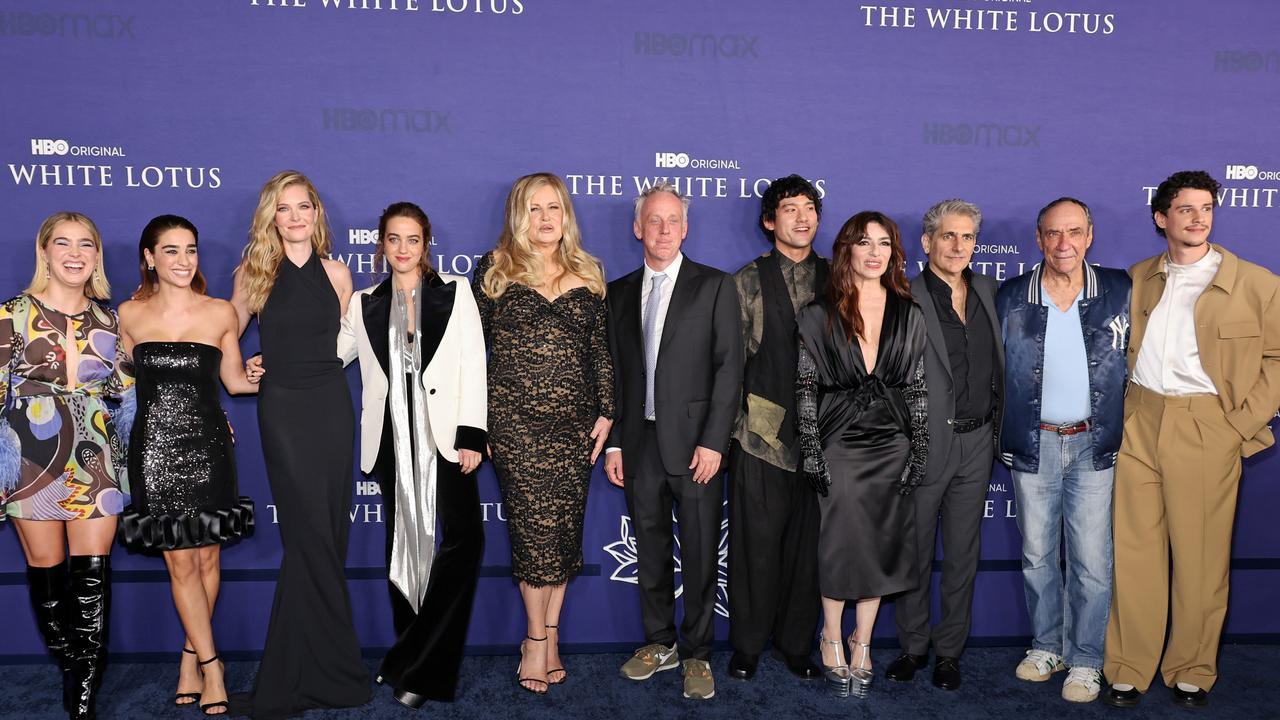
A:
{"points": [[1122, 698], [946, 673], [802, 666], [904, 667], [1197, 699], [742, 666]]}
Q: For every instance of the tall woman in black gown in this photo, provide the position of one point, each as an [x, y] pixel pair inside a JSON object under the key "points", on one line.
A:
{"points": [[312, 657], [861, 409], [185, 500]]}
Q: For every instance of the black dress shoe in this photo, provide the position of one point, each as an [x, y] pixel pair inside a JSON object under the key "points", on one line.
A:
{"points": [[946, 673], [802, 666], [743, 667], [1197, 699], [1122, 698], [904, 667], [411, 700]]}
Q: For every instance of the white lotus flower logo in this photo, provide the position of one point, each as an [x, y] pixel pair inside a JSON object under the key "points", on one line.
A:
{"points": [[624, 552]]}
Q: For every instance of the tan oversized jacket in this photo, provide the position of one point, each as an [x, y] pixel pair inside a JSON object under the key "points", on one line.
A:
{"points": [[1238, 335]]}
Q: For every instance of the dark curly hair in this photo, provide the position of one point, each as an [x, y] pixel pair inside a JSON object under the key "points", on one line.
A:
{"points": [[781, 189], [1193, 179]]}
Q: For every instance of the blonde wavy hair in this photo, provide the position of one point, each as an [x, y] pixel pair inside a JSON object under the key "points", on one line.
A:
{"points": [[97, 287], [260, 260], [516, 261]]}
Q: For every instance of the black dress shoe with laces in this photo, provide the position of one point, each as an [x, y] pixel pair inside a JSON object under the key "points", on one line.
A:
{"points": [[802, 666], [904, 667], [946, 673], [742, 666], [1195, 699], [1122, 698]]}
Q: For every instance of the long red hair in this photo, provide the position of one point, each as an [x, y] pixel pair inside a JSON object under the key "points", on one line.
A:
{"points": [[843, 289]]}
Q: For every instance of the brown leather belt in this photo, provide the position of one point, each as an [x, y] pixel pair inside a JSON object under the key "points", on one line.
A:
{"points": [[1074, 428]]}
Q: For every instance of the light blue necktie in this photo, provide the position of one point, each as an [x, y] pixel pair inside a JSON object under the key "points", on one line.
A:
{"points": [[651, 340]]}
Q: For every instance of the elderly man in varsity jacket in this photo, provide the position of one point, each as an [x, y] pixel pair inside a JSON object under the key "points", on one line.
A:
{"points": [[1066, 328]]}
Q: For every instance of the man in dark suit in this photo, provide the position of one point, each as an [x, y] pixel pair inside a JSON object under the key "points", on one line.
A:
{"points": [[678, 358], [964, 371]]}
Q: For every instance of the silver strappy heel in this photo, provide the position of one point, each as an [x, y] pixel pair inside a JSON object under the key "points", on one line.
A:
{"points": [[836, 676], [860, 675]]}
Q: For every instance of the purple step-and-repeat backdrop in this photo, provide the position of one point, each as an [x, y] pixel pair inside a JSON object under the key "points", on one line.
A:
{"points": [[125, 110]]}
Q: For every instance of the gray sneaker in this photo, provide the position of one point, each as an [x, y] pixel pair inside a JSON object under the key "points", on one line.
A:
{"points": [[698, 683], [649, 660]]}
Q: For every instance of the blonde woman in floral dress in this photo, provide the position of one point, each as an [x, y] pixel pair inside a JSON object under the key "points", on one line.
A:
{"points": [[59, 350]]}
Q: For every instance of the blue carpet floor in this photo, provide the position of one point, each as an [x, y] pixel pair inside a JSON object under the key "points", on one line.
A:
{"points": [[1247, 689]]}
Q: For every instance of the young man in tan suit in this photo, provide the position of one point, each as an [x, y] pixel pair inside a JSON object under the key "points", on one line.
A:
{"points": [[1204, 364]]}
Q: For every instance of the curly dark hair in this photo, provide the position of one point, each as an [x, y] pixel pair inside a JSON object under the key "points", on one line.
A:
{"points": [[781, 189], [1169, 189]]}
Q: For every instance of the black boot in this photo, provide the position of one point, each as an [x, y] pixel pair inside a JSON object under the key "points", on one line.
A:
{"points": [[48, 590], [87, 632]]}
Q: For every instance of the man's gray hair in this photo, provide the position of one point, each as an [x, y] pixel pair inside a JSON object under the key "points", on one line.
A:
{"points": [[1088, 216], [654, 189], [955, 206]]}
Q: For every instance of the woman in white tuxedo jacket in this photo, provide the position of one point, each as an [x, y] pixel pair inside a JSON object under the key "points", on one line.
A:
{"points": [[422, 431]]}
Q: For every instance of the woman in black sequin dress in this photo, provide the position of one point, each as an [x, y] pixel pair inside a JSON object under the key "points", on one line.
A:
{"points": [[541, 297], [185, 500], [311, 658]]}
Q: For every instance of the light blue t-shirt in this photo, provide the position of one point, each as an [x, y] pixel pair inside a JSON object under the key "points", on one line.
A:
{"points": [[1065, 397]]}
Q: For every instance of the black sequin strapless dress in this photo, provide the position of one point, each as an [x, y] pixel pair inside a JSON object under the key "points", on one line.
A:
{"points": [[180, 459]]}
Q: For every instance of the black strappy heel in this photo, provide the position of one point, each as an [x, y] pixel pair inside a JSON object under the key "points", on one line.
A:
{"points": [[206, 707], [522, 680], [178, 697], [565, 676]]}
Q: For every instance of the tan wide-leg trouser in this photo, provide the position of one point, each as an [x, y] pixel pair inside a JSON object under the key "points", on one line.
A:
{"points": [[1176, 480]]}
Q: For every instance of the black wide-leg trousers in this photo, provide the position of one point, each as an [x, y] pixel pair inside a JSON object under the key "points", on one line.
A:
{"points": [[773, 557], [427, 654]]}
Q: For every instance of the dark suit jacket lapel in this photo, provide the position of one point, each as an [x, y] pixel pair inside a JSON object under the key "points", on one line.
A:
{"points": [[628, 299], [988, 301], [437, 306], [376, 309], [681, 296], [933, 328]]}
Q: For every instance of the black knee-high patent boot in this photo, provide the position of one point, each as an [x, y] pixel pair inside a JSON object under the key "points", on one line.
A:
{"points": [[48, 590], [87, 632]]}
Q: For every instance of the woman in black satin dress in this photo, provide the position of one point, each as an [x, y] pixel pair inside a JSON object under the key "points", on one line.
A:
{"points": [[861, 409], [185, 500], [312, 656]]}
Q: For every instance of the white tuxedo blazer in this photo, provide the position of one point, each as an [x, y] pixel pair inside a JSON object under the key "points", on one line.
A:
{"points": [[453, 353]]}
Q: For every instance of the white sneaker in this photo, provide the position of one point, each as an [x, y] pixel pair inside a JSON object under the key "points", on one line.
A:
{"points": [[1039, 665], [1082, 685]]}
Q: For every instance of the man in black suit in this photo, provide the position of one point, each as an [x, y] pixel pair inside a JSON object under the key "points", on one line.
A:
{"points": [[964, 371], [678, 358]]}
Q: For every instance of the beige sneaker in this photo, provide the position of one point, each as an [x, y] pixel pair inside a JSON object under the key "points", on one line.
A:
{"points": [[649, 660], [698, 683], [1082, 685], [1039, 665]]}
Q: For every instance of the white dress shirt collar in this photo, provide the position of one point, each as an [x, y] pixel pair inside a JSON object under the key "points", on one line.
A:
{"points": [[671, 272]]}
